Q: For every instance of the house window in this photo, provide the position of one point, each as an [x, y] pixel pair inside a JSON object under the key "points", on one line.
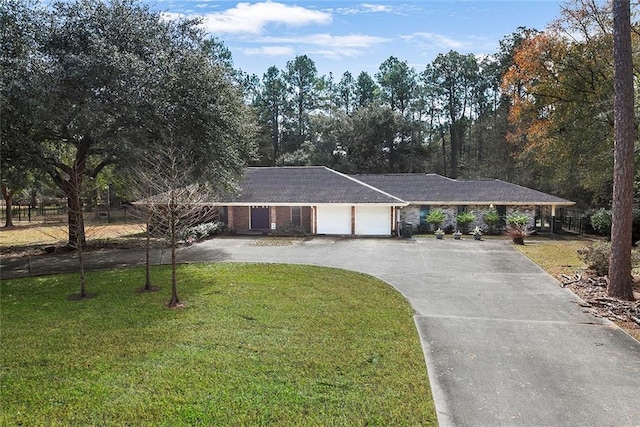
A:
{"points": [[296, 216], [502, 211], [424, 211], [462, 208]]}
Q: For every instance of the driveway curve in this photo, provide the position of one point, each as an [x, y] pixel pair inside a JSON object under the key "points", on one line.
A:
{"points": [[504, 344]]}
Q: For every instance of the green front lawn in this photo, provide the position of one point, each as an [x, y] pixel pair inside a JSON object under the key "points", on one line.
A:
{"points": [[255, 345]]}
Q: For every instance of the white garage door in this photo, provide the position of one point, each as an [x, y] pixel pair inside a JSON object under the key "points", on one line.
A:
{"points": [[373, 220], [334, 220]]}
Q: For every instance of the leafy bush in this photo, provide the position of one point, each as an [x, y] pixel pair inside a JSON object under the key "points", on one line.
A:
{"points": [[202, 231], [435, 218], [518, 227], [464, 219], [289, 230], [517, 233], [601, 222], [422, 229], [517, 219], [597, 257], [492, 219]]}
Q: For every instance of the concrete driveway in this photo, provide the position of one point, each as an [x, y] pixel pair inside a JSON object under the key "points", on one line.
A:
{"points": [[503, 343]]}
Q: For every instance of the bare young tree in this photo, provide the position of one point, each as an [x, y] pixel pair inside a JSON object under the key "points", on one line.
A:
{"points": [[175, 202], [620, 281], [143, 212], [75, 211]]}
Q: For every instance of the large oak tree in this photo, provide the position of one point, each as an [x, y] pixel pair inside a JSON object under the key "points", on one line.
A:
{"points": [[111, 78]]}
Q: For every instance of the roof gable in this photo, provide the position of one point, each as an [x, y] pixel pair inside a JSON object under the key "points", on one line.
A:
{"points": [[306, 185]]}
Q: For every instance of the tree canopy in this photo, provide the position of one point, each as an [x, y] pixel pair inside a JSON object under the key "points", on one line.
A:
{"points": [[108, 79]]}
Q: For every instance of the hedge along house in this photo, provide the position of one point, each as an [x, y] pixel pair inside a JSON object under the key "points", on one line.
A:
{"points": [[315, 199], [424, 192], [319, 200]]}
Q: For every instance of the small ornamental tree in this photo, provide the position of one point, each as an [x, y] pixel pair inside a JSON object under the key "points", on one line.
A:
{"points": [[492, 219], [435, 218], [464, 219], [517, 227], [176, 203]]}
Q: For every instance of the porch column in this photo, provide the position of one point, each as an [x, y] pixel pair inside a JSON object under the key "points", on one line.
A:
{"points": [[314, 220], [353, 220], [230, 218], [272, 216]]}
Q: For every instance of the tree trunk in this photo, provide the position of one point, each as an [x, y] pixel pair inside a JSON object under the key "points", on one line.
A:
{"points": [[620, 280], [77, 236], [455, 146], [147, 263], [444, 153], [174, 279], [8, 200], [83, 279]]}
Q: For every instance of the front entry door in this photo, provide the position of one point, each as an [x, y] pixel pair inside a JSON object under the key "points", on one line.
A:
{"points": [[259, 218]]}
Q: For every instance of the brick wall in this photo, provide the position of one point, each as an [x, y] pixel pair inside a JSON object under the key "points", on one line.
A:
{"points": [[239, 217]]}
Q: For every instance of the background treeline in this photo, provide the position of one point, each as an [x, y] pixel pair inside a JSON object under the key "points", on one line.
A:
{"points": [[539, 112], [84, 100]]}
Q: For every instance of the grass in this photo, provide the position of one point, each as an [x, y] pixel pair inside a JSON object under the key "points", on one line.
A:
{"points": [[255, 345], [555, 254]]}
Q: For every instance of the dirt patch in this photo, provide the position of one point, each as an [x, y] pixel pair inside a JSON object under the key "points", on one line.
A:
{"points": [[277, 241], [593, 290]]}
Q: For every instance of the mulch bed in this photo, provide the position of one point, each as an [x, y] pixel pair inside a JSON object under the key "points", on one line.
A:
{"points": [[593, 290]]}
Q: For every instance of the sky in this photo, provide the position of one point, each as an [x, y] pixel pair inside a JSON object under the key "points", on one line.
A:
{"points": [[358, 36]]}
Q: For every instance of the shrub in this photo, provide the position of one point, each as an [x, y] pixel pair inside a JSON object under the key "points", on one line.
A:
{"points": [[491, 218], [435, 218], [289, 230], [601, 222], [517, 228], [597, 257], [518, 219], [517, 233], [202, 231], [422, 229], [464, 219]]}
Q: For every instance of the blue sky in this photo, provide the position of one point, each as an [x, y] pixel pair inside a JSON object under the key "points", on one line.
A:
{"points": [[358, 36]]}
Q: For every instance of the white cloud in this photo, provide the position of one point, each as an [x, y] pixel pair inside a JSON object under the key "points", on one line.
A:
{"points": [[270, 51], [376, 8], [322, 44], [251, 18], [325, 39], [366, 8], [434, 40]]}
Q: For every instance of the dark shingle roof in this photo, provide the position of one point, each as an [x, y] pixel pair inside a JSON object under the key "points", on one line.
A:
{"points": [[419, 188], [308, 184]]}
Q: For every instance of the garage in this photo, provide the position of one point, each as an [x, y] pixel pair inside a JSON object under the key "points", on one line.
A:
{"points": [[373, 220], [334, 219]]}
